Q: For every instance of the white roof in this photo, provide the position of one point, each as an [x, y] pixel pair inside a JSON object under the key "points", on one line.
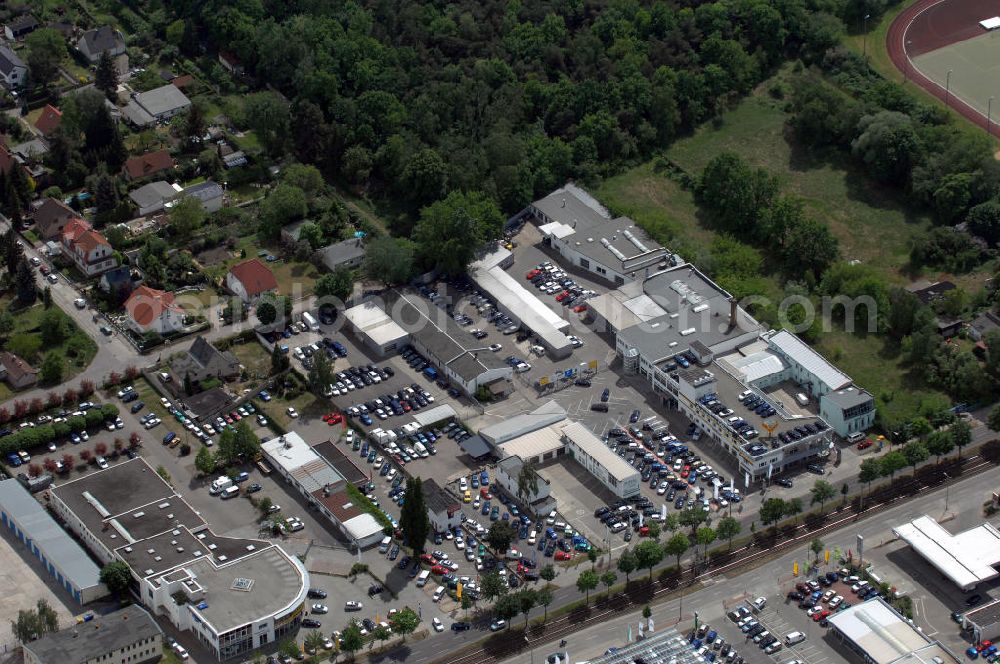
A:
{"points": [[991, 23], [556, 229], [967, 558], [372, 320], [518, 300], [884, 635], [813, 362], [426, 418], [362, 527], [294, 455], [587, 441], [755, 366], [530, 445], [548, 413]]}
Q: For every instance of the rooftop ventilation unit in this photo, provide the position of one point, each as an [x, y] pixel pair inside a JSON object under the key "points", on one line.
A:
{"points": [[634, 240], [700, 308], [607, 245], [688, 331]]}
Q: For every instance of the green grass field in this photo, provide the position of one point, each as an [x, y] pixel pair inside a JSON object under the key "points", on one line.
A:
{"points": [[872, 223], [76, 348]]}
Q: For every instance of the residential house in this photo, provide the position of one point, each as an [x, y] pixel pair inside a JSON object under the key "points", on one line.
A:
{"points": [[251, 279], [30, 151], [149, 164], [51, 217], [349, 254], [13, 71], [89, 250], [16, 372], [157, 105], [230, 63], [151, 310], [209, 193], [19, 26], [152, 197], [983, 324], [203, 360], [117, 283], [49, 119], [930, 292], [105, 39]]}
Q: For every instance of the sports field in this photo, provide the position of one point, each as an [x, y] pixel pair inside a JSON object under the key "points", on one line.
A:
{"points": [[975, 70]]}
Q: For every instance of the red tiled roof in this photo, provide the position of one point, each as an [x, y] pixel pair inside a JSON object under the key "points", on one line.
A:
{"points": [[90, 240], [146, 304], [74, 228], [15, 366], [255, 277], [148, 164], [49, 120], [182, 81]]}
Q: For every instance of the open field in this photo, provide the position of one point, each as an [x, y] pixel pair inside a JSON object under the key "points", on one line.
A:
{"points": [[76, 348]]}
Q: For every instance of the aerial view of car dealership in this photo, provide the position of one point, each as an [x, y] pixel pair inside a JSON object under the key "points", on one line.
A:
{"points": [[609, 332]]}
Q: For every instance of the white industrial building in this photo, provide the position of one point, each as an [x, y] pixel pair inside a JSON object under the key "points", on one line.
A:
{"points": [[967, 559], [609, 468], [508, 429], [370, 324], [519, 303], [444, 511], [322, 485], [878, 634], [583, 231]]}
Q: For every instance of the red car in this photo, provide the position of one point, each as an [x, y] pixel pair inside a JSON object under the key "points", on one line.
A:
{"points": [[406, 406], [562, 296], [485, 493], [333, 418], [427, 558], [532, 274], [865, 444], [644, 531], [562, 555], [580, 308], [825, 613], [439, 570], [236, 416]]}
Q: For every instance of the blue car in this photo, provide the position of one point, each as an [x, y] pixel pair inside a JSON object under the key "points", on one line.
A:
{"points": [[484, 478], [972, 652], [13, 460], [367, 421], [264, 395]]}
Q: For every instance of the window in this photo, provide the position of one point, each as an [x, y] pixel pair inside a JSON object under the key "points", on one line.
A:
{"points": [[585, 263]]}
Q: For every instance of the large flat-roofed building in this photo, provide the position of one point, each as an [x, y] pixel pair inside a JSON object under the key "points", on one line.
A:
{"points": [[59, 553], [517, 426], [369, 323], [878, 634], [609, 468], [322, 485], [125, 636], [462, 359], [519, 303], [233, 594], [967, 559], [584, 233]]}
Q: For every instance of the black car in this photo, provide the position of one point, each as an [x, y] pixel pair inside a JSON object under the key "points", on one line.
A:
{"points": [[634, 417], [136, 407], [974, 599], [605, 395], [404, 563], [311, 624], [816, 469], [460, 626], [254, 488], [375, 589], [795, 595], [317, 593], [582, 382], [784, 481], [368, 624]]}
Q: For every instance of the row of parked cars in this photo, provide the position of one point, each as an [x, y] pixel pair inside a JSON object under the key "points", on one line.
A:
{"points": [[396, 404], [358, 378], [551, 279]]}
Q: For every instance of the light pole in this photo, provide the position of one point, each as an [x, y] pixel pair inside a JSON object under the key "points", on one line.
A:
{"points": [[906, 63], [864, 37], [989, 109], [947, 89]]}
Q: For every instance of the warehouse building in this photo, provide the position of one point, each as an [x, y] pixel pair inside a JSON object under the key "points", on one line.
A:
{"points": [[233, 594], [373, 327], [967, 559], [878, 634], [59, 553], [519, 303], [610, 469], [126, 636], [584, 233], [323, 486], [455, 354], [514, 427], [984, 622]]}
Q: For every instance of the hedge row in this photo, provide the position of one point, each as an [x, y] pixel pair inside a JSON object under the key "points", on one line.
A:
{"points": [[42, 434]]}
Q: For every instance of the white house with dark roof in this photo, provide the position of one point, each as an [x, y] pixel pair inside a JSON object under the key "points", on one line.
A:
{"points": [[13, 71]]}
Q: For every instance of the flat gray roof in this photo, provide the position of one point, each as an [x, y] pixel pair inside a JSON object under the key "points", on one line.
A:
{"points": [[341, 462], [548, 413], [444, 338], [696, 309], [849, 397], [83, 642], [61, 549], [162, 100]]}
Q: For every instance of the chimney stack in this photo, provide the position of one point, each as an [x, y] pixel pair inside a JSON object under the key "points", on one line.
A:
{"points": [[732, 312]]}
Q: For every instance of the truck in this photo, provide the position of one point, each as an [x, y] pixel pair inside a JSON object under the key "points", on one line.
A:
{"points": [[220, 484], [310, 320]]}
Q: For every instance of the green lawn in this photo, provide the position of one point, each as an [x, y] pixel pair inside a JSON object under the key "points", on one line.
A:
{"points": [[288, 273], [253, 356], [76, 348]]}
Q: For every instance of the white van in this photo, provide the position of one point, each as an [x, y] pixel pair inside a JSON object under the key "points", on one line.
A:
{"points": [[802, 399], [422, 578], [219, 485], [439, 593], [230, 492], [384, 545], [794, 637], [856, 437], [309, 320]]}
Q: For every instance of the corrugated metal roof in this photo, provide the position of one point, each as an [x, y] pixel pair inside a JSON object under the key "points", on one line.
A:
{"points": [[813, 362], [60, 549], [519, 425]]}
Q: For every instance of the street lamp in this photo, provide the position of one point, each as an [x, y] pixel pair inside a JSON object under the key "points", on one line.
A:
{"points": [[906, 62], [947, 88], [989, 109], [864, 37]]}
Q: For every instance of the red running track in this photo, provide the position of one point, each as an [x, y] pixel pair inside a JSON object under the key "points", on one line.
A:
{"points": [[931, 24]]}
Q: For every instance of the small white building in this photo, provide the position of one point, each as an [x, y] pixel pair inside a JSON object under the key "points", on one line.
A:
{"points": [[209, 193], [151, 310], [251, 279], [609, 468], [443, 509], [369, 323], [13, 71], [154, 196]]}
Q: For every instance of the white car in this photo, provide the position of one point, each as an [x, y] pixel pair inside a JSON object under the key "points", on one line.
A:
{"points": [[813, 611], [496, 348], [292, 412], [575, 341], [438, 626], [320, 608], [102, 463], [522, 367]]}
